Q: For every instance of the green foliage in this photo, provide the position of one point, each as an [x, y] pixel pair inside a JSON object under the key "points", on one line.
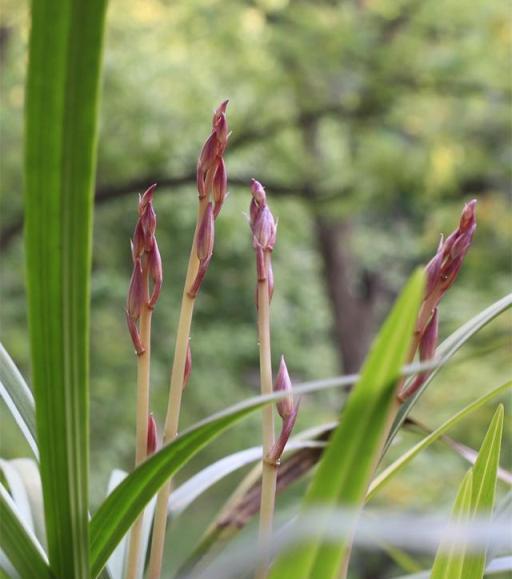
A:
{"points": [[60, 147], [475, 498], [20, 546]]}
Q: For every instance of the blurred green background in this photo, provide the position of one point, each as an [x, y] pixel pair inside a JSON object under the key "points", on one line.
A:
{"points": [[370, 122]]}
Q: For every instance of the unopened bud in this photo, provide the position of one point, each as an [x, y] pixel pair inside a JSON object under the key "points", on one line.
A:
{"points": [[264, 229], [284, 384], [206, 235], [220, 187], [146, 198], [258, 192], [188, 366], [135, 336], [138, 241], [152, 444], [428, 342], [136, 292], [155, 271]]}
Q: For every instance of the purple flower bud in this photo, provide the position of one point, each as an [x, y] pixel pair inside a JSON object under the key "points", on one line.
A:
{"points": [[220, 187], [136, 291], [221, 110], [428, 342], [445, 265], [188, 367], [155, 271], [286, 429], [206, 235], [146, 199], [148, 222], [152, 444], [258, 193], [138, 241], [135, 336], [264, 229], [284, 384]]}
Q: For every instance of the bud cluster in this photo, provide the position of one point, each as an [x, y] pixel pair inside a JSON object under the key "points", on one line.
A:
{"points": [[264, 229], [212, 183], [147, 264], [441, 272], [287, 411]]}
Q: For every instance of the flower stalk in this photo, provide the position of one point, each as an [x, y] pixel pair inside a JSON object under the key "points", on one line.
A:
{"points": [[212, 190], [147, 264], [264, 228]]}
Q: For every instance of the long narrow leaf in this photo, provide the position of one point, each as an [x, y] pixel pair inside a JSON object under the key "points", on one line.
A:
{"points": [[484, 488], [18, 399], [393, 469], [60, 150], [118, 512], [448, 349], [346, 466], [19, 543]]}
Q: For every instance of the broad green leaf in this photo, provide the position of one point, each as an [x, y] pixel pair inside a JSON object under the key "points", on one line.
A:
{"points": [[60, 150], [19, 543], [484, 487], [445, 351], [345, 469], [18, 399], [450, 556], [388, 473], [118, 512]]}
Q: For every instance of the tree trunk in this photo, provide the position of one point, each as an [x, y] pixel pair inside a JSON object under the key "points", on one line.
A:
{"points": [[351, 294]]}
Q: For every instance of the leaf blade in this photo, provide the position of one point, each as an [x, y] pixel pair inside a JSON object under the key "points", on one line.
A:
{"points": [[19, 543], [60, 149]]}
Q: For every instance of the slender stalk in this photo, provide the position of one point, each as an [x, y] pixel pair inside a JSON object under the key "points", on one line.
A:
{"points": [[174, 406], [269, 469], [143, 376]]}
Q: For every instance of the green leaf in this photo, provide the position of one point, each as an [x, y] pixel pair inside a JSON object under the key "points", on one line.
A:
{"points": [[484, 487], [19, 543], [126, 502], [347, 464], [450, 556], [388, 473], [445, 351], [18, 399], [60, 151]]}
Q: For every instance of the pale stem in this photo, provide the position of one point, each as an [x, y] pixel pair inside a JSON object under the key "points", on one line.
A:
{"points": [[143, 376], [174, 405], [269, 470]]}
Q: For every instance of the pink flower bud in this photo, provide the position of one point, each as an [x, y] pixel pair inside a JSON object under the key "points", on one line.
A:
{"points": [[138, 241], [264, 229], [136, 291], [148, 221], [286, 429], [220, 187], [258, 193], [146, 199], [152, 444], [221, 110], [206, 235], [188, 366], [442, 270], [155, 271], [284, 384], [135, 336], [428, 342]]}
